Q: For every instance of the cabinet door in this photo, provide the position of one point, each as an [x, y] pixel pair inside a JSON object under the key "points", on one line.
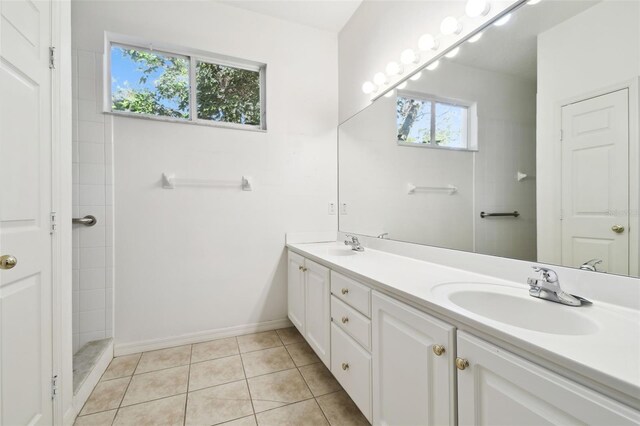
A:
{"points": [[411, 384], [318, 315], [295, 291], [500, 388]]}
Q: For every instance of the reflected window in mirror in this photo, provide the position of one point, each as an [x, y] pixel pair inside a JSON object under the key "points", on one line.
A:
{"points": [[432, 122]]}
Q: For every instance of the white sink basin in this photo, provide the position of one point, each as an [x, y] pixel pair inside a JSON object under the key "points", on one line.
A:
{"points": [[513, 306], [340, 251]]}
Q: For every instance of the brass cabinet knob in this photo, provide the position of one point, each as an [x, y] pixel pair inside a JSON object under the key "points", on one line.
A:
{"points": [[7, 261], [300, 268], [438, 349], [618, 229], [345, 291], [304, 269], [345, 320], [461, 363], [345, 366]]}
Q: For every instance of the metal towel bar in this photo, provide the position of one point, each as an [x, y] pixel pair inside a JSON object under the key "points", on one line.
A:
{"points": [[514, 214], [88, 220]]}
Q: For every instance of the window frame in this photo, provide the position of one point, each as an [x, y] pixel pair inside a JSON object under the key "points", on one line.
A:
{"points": [[471, 127], [192, 56]]}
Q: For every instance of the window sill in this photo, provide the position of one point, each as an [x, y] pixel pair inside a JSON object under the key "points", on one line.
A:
{"points": [[206, 123], [440, 148]]}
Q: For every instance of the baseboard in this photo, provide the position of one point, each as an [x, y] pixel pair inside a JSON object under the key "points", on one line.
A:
{"points": [[90, 382], [70, 416], [201, 336]]}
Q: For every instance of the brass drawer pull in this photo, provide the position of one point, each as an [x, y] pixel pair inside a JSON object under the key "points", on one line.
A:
{"points": [[302, 268], [345, 291], [438, 349], [461, 363], [345, 366], [345, 320]]}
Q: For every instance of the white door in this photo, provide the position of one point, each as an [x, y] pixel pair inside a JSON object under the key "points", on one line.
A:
{"points": [[499, 388], [25, 203], [295, 290], [595, 182], [318, 310], [412, 384]]}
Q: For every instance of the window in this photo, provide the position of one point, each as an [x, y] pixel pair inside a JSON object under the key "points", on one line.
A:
{"points": [[432, 122], [173, 84]]}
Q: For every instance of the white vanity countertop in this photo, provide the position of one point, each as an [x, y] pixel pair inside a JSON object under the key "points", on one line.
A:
{"points": [[609, 354]]}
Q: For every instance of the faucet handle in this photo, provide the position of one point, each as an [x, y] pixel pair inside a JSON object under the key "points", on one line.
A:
{"points": [[548, 274]]}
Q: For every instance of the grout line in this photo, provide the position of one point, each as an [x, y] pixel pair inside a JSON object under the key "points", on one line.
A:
{"points": [[186, 398], [126, 390], [246, 381]]}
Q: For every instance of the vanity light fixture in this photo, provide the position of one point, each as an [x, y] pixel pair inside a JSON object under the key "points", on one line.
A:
{"points": [[402, 85], [476, 8], [379, 79], [453, 53], [500, 22], [389, 94], [433, 66], [533, 2], [393, 68], [416, 76], [408, 56], [427, 42], [368, 87], [450, 25], [475, 38]]}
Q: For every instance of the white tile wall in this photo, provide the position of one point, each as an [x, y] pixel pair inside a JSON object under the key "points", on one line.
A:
{"points": [[92, 194]]}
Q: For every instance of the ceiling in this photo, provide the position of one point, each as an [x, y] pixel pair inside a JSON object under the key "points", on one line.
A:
{"points": [[328, 15], [512, 48]]}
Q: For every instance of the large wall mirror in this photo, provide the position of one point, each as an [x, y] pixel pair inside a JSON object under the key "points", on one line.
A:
{"points": [[521, 143]]}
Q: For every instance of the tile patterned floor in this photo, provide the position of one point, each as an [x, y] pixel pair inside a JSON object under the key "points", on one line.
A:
{"points": [[270, 378]]}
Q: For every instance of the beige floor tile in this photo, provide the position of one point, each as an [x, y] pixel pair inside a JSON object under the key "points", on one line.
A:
{"points": [[278, 389], [245, 421], [290, 335], [305, 413], [104, 418], [214, 349], [164, 358], [302, 354], [266, 361], [219, 404], [341, 410], [106, 396], [156, 385], [166, 412], [319, 379], [122, 366], [215, 372], [255, 342]]}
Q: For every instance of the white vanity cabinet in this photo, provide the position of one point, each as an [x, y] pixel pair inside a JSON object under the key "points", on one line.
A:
{"points": [[308, 303], [413, 365], [500, 388]]}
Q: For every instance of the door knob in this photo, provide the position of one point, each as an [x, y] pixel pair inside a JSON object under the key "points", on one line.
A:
{"points": [[7, 261], [618, 229]]}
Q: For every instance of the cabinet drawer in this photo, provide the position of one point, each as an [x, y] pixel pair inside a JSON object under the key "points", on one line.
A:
{"points": [[353, 322], [351, 365], [352, 293]]}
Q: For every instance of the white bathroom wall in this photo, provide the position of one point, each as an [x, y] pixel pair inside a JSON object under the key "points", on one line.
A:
{"points": [[375, 171], [191, 262], [92, 195], [588, 53]]}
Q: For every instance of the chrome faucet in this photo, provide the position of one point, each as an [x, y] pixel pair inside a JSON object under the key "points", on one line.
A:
{"points": [[548, 287], [383, 235], [591, 265], [354, 243]]}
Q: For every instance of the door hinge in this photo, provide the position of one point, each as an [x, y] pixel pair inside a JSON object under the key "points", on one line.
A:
{"points": [[52, 57], [54, 386], [52, 222]]}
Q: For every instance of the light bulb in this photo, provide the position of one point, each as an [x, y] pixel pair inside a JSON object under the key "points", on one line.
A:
{"points": [[408, 56], [402, 85], [533, 2], [393, 69], [475, 38], [500, 22], [389, 94], [416, 76], [450, 25], [368, 87], [427, 42], [433, 65], [453, 53], [379, 79], [476, 8]]}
